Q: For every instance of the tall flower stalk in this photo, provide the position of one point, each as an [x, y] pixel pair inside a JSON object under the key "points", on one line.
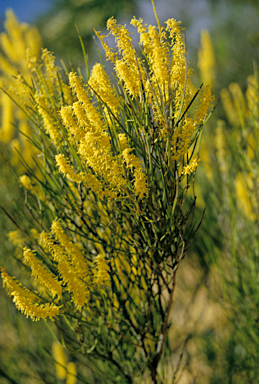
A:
{"points": [[112, 213]]}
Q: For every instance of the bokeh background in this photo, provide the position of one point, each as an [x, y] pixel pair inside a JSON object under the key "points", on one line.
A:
{"points": [[221, 343]]}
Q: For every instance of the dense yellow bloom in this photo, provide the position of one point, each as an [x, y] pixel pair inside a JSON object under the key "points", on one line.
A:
{"points": [[181, 138], [78, 259], [140, 180], [71, 124], [17, 39], [13, 43], [49, 123], [41, 274], [127, 67], [27, 302], [51, 69], [206, 59], [180, 73], [91, 181], [60, 360], [191, 167], [68, 267], [65, 167], [101, 85]]}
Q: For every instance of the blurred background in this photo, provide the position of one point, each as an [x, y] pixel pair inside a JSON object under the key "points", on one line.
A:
{"points": [[215, 318]]}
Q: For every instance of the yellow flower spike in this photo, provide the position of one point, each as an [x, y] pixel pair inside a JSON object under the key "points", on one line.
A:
{"points": [[35, 234], [95, 149], [181, 139], [26, 182], [83, 121], [60, 360], [244, 197], [109, 52], [75, 284], [101, 85], [206, 101], [48, 122], [71, 373], [123, 141], [70, 274], [51, 69], [191, 167], [91, 181], [229, 107], [206, 59], [33, 40], [102, 275], [16, 238], [252, 95], [29, 150], [70, 123], [239, 103], [159, 57], [127, 68], [65, 168], [13, 42], [32, 61], [6, 131], [140, 183], [45, 277], [140, 179], [27, 302], [179, 54], [251, 146], [78, 259]]}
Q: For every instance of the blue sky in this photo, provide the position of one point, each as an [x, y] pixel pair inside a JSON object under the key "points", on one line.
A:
{"points": [[25, 10]]}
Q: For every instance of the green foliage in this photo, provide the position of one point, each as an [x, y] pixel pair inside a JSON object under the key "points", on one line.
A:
{"points": [[58, 26]]}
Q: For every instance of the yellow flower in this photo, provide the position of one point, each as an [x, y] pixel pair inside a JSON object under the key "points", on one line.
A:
{"points": [[26, 182], [102, 275], [206, 59], [101, 85], [27, 302], [71, 373], [41, 274], [244, 199], [191, 167], [16, 238], [60, 360]]}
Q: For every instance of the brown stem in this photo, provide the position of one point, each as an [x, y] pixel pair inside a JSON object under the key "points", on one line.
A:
{"points": [[153, 364]]}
